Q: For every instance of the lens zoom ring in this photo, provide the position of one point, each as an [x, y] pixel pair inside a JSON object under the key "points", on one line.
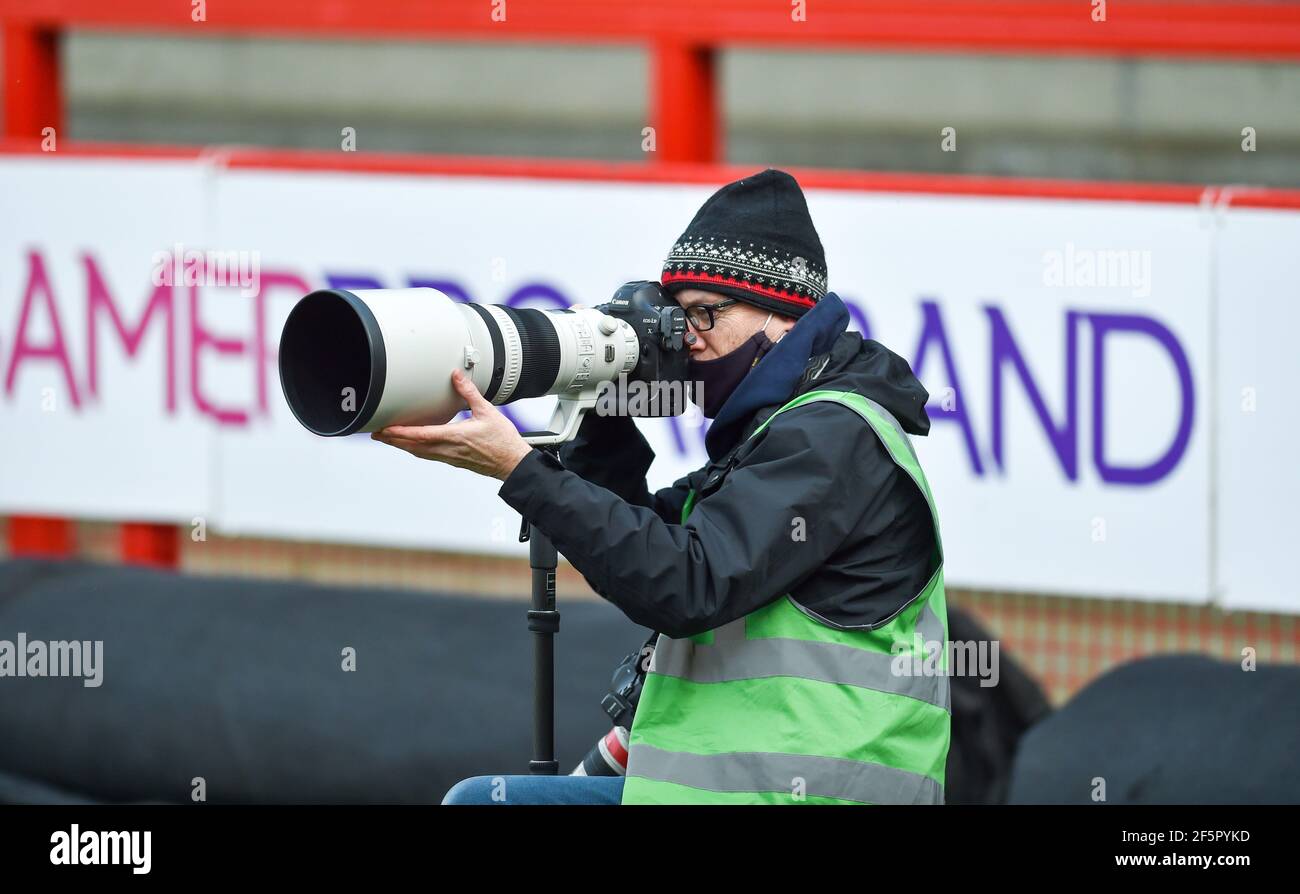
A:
{"points": [[540, 349]]}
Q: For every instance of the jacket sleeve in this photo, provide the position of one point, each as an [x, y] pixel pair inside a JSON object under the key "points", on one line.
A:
{"points": [[774, 520], [611, 451]]}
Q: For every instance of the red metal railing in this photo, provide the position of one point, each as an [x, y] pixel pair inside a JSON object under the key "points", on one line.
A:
{"points": [[682, 37]]}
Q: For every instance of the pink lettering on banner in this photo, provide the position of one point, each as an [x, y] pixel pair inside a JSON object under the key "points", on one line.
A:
{"points": [[112, 321], [201, 339], [259, 349], [266, 352], [38, 283], [100, 301]]}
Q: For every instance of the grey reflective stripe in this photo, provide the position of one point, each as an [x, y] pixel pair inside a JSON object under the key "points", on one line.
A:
{"points": [[893, 423], [932, 630], [889, 417], [731, 656], [756, 771], [917, 475], [731, 660], [929, 625], [731, 632]]}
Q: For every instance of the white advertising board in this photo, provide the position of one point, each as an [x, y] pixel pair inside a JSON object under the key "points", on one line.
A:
{"points": [[1068, 347]]}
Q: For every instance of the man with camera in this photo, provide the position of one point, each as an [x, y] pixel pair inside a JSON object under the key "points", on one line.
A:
{"points": [[795, 581]]}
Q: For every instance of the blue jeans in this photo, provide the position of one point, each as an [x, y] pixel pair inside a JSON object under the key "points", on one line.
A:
{"points": [[536, 790]]}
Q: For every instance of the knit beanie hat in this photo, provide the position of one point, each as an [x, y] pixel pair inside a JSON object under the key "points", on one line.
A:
{"points": [[753, 240]]}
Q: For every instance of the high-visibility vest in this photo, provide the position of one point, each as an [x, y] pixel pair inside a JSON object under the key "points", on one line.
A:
{"points": [[780, 707]]}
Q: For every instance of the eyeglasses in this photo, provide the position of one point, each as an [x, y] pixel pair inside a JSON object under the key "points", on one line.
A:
{"points": [[703, 316]]}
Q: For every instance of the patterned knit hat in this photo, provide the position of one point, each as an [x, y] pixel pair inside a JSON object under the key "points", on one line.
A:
{"points": [[753, 240]]}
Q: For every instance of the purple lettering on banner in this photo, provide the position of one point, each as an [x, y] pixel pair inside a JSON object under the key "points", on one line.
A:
{"points": [[99, 300], [675, 429], [452, 290], [350, 282], [534, 292], [1063, 438], [38, 282], [505, 411], [1102, 324], [932, 331]]}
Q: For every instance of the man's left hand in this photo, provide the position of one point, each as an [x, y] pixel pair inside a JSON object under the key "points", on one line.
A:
{"points": [[486, 443]]}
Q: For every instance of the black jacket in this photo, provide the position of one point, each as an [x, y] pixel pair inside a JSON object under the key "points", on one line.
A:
{"points": [[867, 539]]}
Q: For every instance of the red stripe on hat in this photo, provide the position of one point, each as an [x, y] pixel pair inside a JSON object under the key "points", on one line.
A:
{"points": [[716, 279]]}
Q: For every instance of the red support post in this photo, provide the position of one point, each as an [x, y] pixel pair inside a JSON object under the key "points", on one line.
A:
{"points": [[32, 102], [33, 94], [31, 535], [684, 105], [151, 544]]}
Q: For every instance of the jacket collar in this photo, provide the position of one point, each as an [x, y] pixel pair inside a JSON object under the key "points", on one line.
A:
{"points": [[777, 374]]}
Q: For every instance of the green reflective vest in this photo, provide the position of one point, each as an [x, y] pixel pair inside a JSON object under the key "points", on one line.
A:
{"points": [[779, 707]]}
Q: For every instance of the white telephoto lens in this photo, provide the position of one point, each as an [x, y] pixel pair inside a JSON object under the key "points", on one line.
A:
{"points": [[358, 361]]}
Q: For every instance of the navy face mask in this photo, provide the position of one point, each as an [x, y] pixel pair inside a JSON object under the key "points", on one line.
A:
{"points": [[720, 376]]}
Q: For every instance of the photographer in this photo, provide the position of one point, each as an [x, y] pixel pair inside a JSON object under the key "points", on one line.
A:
{"points": [[795, 580]]}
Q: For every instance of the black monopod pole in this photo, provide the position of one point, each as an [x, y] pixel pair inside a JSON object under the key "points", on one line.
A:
{"points": [[544, 622]]}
